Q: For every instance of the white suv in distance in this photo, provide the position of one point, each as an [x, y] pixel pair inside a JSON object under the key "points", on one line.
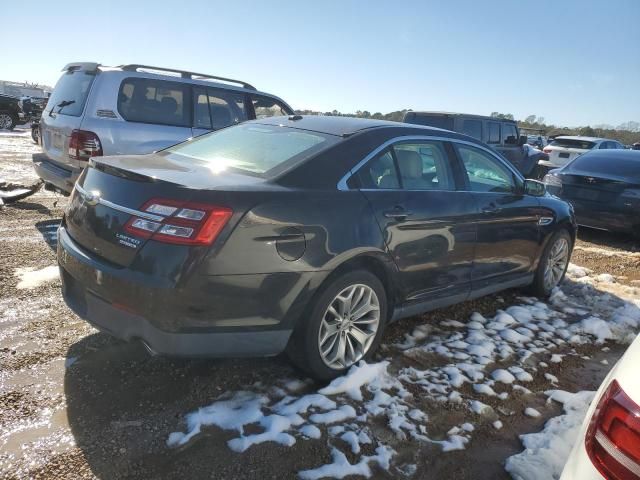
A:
{"points": [[565, 148], [96, 110]]}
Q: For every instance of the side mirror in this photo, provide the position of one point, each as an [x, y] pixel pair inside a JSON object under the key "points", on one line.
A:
{"points": [[534, 188], [523, 140]]}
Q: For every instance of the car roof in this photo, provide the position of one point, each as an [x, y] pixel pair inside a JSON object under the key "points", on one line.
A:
{"points": [[339, 126], [457, 114], [615, 154], [579, 137]]}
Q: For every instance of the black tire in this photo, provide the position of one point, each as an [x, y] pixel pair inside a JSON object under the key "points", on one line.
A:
{"points": [[303, 348], [538, 287], [35, 134], [13, 121]]}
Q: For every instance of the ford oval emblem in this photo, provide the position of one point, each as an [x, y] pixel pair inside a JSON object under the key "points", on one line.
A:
{"points": [[92, 198]]}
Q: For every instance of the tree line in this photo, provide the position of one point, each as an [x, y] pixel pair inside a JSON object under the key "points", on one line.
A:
{"points": [[626, 133]]}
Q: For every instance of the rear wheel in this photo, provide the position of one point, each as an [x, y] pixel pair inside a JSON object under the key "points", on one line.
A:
{"points": [[345, 326], [553, 264], [7, 122]]}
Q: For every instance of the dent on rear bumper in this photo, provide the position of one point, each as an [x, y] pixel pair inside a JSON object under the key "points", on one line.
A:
{"points": [[229, 315]]}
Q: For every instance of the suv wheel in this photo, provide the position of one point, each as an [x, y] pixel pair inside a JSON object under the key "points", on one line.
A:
{"points": [[7, 122], [345, 326], [553, 264]]}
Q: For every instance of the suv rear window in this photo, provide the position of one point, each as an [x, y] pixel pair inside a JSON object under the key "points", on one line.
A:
{"points": [[571, 143], [70, 93], [147, 100], [254, 148]]}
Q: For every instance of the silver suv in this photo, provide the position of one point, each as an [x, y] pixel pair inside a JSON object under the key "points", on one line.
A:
{"points": [[136, 109]]}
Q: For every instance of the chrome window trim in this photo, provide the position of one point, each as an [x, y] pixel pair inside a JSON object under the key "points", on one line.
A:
{"points": [[115, 206], [342, 184]]}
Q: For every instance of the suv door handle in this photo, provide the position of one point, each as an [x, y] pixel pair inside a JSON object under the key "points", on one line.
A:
{"points": [[398, 213]]}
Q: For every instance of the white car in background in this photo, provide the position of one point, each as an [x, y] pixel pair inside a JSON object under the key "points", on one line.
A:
{"points": [[608, 445], [564, 149]]}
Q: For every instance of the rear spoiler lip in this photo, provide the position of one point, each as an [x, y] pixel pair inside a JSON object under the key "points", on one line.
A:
{"points": [[84, 66]]}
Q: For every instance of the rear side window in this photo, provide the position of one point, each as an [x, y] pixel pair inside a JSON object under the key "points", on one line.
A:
{"points": [[573, 143], [268, 107], [437, 121], [257, 149], [494, 132], [473, 128], [160, 102], [380, 173], [70, 93], [214, 109]]}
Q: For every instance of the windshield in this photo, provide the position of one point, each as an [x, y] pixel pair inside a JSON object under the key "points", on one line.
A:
{"points": [[70, 93], [572, 143], [254, 148]]}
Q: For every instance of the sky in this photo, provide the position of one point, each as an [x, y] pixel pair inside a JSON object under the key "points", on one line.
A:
{"points": [[573, 62]]}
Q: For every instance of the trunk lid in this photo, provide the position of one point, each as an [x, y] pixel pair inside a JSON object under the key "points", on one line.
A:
{"points": [[113, 190], [582, 186]]}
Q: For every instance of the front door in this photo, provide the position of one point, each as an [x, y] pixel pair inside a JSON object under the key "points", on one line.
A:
{"points": [[427, 224], [507, 220]]}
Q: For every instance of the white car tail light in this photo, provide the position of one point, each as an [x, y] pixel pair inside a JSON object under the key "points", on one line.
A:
{"points": [[613, 437], [185, 223], [83, 145]]}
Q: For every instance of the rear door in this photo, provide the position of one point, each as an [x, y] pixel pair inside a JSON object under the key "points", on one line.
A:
{"points": [[507, 220], [426, 222], [63, 114], [157, 114], [215, 108]]}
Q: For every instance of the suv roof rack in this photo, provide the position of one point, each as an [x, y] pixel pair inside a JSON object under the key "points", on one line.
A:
{"points": [[134, 67]]}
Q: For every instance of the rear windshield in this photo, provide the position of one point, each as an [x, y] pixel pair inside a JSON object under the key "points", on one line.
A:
{"points": [[258, 149], [570, 143], [437, 121], [70, 93], [600, 164]]}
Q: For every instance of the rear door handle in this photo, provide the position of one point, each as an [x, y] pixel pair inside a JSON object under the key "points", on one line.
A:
{"points": [[398, 213]]}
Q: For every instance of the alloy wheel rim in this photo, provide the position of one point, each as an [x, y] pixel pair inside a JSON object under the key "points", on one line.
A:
{"points": [[5, 120], [349, 326], [556, 263]]}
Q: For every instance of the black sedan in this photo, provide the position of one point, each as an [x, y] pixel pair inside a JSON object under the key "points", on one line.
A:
{"points": [[604, 188], [304, 234]]}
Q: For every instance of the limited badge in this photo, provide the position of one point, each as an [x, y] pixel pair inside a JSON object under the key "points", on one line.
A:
{"points": [[128, 241]]}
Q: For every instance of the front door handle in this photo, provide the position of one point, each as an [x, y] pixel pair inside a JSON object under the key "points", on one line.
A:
{"points": [[398, 213]]}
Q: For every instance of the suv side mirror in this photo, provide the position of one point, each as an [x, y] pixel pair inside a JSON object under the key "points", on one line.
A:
{"points": [[522, 140], [534, 188]]}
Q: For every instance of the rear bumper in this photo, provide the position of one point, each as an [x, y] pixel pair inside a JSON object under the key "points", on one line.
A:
{"points": [[256, 319], [51, 172], [605, 216]]}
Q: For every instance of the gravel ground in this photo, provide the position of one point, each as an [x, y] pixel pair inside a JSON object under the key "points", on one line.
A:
{"points": [[75, 403]]}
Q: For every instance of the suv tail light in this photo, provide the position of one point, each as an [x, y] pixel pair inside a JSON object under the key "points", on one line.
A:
{"points": [[83, 145], [184, 223], [613, 437], [547, 150]]}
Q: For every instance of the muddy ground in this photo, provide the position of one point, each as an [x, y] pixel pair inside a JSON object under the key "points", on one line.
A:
{"points": [[75, 403]]}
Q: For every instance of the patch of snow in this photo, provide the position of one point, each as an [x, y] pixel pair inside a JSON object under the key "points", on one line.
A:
{"points": [[531, 412], [497, 424], [502, 375], [31, 278], [340, 467]]}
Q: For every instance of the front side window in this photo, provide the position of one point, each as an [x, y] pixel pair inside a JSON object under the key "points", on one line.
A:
{"points": [[268, 107], [509, 134], [473, 128], [257, 149], [380, 173], [215, 109], [485, 172], [159, 102], [494, 132], [424, 166]]}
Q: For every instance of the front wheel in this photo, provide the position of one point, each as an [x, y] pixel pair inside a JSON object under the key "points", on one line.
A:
{"points": [[7, 122], [345, 326], [553, 264]]}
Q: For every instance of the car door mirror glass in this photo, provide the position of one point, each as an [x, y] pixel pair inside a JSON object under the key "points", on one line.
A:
{"points": [[534, 188]]}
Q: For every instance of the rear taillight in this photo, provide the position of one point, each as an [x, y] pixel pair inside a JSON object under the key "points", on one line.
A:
{"points": [[83, 145], [613, 437], [546, 150], [184, 223]]}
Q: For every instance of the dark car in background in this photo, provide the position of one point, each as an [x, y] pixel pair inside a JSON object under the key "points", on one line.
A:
{"points": [[501, 134], [604, 188], [11, 113], [308, 234]]}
